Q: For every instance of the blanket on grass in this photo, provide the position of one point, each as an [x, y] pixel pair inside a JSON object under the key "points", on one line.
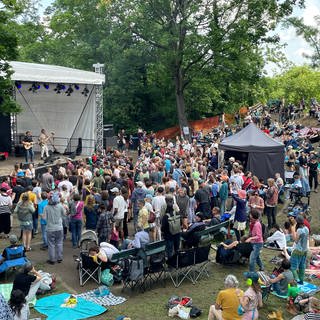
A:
{"points": [[306, 287], [102, 296], [52, 307], [5, 290]]}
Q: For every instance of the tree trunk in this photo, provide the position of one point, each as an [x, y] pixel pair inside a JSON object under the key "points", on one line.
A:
{"points": [[181, 108]]}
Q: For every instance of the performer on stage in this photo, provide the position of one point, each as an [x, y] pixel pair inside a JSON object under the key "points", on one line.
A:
{"points": [[28, 144], [43, 139]]}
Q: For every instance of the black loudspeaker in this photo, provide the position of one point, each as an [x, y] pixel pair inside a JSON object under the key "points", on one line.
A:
{"points": [[5, 141], [108, 131], [79, 147], [19, 151]]}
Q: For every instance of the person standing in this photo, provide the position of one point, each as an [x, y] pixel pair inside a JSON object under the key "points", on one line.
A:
{"points": [[119, 207], [28, 146], [256, 239], [5, 212], [171, 226], [43, 139], [54, 214], [300, 235], [24, 211], [43, 223], [223, 195], [76, 213], [47, 180], [313, 173], [271, 202]]}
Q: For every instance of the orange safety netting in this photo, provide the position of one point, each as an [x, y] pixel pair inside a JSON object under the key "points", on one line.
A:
{"points": [[204, 124]]}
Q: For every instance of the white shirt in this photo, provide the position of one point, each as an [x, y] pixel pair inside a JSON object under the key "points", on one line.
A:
{"points": [[157, 203], [66, 183], [280, 238], [87, 175], [120, 204]]}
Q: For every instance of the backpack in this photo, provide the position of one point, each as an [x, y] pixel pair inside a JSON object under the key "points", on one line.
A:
{"points": [[132, 269], [174, 223]]}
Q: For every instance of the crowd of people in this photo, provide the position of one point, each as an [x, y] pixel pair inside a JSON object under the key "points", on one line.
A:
{"points": [[174, 188]]}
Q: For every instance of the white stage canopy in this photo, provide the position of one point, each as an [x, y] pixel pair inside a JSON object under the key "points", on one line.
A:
{"points": [[69, 117]]}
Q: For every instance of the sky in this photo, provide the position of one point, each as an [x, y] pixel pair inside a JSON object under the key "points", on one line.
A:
{"points": [[295, 46]]}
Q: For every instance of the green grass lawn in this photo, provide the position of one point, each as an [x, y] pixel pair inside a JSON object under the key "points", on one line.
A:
{"points": [[151, 304]]}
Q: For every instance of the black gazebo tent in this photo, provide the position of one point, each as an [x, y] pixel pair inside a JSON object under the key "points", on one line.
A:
{"points": [[263, 155]]}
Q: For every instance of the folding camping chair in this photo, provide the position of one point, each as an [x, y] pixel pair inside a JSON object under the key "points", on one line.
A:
{"points": [[181, 267], [88, 269], [201, 262]]}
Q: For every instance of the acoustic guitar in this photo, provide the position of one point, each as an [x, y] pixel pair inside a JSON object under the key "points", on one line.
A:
{"points": [[44, 141], [27, 145]]}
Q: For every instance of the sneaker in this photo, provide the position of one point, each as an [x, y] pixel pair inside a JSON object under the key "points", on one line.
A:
{"points": [[59, 261], [44, 248], [50, 262]]}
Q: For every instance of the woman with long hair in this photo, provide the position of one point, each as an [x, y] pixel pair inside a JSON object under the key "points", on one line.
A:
{"points": [[90, 212], [252, 298], [24, 211], [19, 305]]}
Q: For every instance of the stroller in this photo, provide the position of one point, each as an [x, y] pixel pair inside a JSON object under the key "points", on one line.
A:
{"points": [[88, 239], [88, 268]]}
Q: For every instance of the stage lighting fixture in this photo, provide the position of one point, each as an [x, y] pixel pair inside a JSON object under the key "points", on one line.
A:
{"points": [[34, 87], [59, 87], [85, 91], [76, 87], [46, 86], [69, 91], [18, 84]]}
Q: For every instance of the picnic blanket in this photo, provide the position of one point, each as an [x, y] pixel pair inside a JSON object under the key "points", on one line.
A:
{"points": [[102, 296], [306, 287], [5, 290], [51, 306]]}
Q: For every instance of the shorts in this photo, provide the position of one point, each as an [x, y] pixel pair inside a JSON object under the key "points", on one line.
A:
{"points": [[27, 227], [239, 225]]}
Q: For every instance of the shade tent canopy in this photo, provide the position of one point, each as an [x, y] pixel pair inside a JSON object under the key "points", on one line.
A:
{"points": [[34, 72], [265, 156], [69, 116]]}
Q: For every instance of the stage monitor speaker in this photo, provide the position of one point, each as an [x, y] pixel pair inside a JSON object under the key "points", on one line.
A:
{"points": [[25, 165], [19, 151], [108, 131]]}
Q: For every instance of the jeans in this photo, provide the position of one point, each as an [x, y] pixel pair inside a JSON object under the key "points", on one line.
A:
{"points": [[222, 206], [255, 257], [44, 234], [76, 228], [55, 245], [313, 178], [35, 221], [29, 153], [172, 245], [271, 215]]}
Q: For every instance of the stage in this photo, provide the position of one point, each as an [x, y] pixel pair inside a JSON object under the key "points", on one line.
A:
{"points": [[6, 166]]}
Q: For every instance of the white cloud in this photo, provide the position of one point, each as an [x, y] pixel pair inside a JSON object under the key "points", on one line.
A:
{"points": [[312, 9]]}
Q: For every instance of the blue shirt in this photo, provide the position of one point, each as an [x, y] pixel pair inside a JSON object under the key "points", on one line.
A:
{"points": [[41, 206]]}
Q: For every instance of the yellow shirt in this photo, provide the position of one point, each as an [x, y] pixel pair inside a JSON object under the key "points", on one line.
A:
{"points": [[143, 217], [228, 300], [32, 197]]}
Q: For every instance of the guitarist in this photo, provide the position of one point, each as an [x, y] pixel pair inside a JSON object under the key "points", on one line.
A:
{"points": [[28, 146], [43, 139]]}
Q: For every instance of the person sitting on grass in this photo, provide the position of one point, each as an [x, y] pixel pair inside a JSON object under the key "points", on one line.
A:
{"points": [[19, 306], [227, 302], [252, 298], [277, 239], [280, 283]]}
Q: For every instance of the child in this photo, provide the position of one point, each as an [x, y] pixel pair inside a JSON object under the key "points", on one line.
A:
{"points": [[43, 223]]}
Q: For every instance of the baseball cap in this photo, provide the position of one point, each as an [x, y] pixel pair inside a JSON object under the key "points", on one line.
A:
{"points": [[114, 190], [140, 184]]}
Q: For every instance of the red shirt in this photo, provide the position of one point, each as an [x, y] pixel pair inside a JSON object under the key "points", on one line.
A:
{"points": [[307, 224]]}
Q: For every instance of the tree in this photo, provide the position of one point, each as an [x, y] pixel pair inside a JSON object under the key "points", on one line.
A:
{"points": [[8, 52], [192, 35], [294, 84], [310, 34]]}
